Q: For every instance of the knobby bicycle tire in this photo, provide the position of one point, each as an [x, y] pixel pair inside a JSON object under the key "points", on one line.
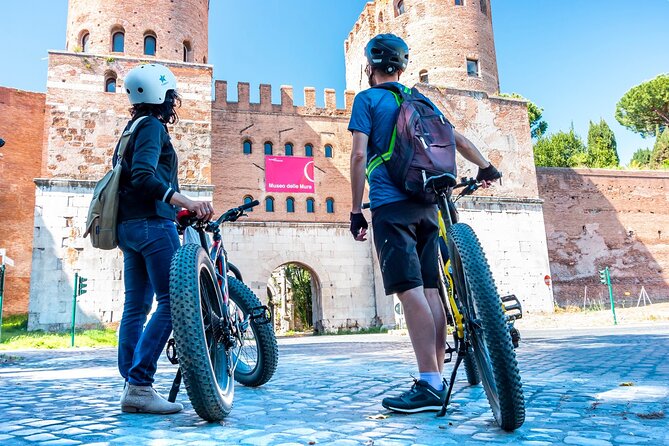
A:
{"points": [[487, 328], [194, 295], [260, 355], [471, 371]]}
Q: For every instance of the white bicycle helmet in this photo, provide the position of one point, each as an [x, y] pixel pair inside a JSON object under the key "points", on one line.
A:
{"points": [[149, 83]]}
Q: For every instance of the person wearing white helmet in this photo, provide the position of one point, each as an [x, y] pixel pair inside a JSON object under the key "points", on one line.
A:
{"points": [[149, 198]]}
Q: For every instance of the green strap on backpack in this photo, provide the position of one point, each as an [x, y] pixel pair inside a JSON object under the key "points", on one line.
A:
{"points": [[103, 210]]}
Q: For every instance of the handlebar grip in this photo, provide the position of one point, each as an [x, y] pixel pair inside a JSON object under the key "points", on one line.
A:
{"points": [[249, 205], [184, 217]]}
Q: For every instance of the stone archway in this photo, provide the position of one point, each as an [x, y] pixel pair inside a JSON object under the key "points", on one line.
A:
{"points": [[294, 296]]}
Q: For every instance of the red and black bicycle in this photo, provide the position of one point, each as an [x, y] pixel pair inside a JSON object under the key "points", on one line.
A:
{"points": [[222, 332]]}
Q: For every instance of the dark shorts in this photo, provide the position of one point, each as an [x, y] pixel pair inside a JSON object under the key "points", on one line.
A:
{"points": [[405, 237]]}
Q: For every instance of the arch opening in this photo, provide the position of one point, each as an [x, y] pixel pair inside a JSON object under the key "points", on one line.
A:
{"points": [[294, 298]]}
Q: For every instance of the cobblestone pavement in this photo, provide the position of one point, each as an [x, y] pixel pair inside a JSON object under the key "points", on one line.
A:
{"points": [[327, 390]]}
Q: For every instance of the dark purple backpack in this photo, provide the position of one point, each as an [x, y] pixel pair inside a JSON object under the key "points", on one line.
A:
{"points": [[422, 144]]}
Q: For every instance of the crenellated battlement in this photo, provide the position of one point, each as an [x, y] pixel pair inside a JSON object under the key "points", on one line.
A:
{"points": [[287, 104]]}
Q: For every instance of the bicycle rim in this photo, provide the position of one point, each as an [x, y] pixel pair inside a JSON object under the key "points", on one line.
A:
{"points": [[219, 358], [245, 354]]}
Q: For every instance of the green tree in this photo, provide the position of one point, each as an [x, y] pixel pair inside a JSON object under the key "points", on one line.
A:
{"points": [[660, 155], [644, 109], [538, 126], [602, 148], [641, 159], [300, 284], [562, 149]]}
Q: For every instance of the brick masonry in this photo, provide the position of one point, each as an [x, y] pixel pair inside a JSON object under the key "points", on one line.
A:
{"points": [[83, 122], [597, 218], [19, 164], [172, 23]]}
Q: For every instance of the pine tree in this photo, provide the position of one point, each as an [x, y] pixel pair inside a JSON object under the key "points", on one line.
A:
{"points": [[602, 147], [660, 156], [562, 149]]}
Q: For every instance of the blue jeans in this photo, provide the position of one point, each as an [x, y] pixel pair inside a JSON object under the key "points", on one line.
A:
{"points": [[148, 245]]}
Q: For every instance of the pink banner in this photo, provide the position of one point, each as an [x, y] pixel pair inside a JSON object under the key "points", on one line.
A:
{"points": [[291, 174]]}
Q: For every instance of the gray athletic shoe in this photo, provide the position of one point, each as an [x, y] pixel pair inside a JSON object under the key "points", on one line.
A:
{"points": [[145, 399], [421, 397]]}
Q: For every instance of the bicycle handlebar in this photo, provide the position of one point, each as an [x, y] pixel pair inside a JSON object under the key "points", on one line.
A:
{"points": [[234, 213], [187, 218]]}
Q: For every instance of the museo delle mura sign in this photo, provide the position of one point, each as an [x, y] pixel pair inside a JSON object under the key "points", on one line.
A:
{"points": [[289, 174]]}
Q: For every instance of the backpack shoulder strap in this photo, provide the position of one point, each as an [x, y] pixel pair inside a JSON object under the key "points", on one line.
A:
{"points": [[401, 94], [126, 137]]}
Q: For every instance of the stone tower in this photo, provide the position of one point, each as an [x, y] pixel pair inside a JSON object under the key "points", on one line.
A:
{"points": [[178, 30], [451, 42], [86, 110]]}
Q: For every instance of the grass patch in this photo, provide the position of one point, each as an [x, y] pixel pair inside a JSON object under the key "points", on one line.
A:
{"points": [[340, 331], [370, 330], [15, 336]]}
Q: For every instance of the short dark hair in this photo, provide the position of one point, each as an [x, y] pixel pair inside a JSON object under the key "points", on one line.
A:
{"points": [[166, 112]]}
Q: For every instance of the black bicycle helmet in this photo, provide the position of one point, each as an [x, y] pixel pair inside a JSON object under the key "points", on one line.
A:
{"points": [[388, 53]]}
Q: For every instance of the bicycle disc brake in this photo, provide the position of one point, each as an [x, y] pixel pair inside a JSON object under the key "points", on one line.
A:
{"points": [[171, 351]]}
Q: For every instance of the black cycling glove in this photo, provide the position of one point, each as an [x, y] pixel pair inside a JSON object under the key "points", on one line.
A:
{"points": [[490, 173], [358, 222]]}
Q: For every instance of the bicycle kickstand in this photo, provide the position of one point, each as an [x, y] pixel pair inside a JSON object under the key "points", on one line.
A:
{"points": [[451, 383]]}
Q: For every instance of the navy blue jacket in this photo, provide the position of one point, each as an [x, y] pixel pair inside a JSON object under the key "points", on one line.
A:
{"points": [[150, 173]]}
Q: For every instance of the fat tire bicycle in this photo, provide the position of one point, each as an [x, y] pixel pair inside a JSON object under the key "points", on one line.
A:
{"points": [[222, 332], [482, 322]]}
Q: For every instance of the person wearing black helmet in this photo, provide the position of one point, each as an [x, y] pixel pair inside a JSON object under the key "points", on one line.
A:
{"points": [[405, 232]]}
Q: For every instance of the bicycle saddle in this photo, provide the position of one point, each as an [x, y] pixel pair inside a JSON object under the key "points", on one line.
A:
{"points": [[439, 183]]}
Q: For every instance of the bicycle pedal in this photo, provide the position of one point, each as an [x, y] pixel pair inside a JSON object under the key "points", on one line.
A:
{"points": [[261, 315], [512, 307], [449, 353]]}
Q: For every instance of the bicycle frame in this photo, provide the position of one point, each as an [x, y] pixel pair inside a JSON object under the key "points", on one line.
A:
{"points": [[450, 286]]}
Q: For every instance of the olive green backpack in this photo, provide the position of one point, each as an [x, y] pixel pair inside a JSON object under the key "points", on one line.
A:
{"points": [[103, 210]]}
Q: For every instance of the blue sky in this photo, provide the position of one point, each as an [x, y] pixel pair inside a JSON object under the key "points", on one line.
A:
{"points": [[574, 58]]}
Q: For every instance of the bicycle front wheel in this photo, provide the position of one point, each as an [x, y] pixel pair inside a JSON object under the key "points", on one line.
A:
{"points": [[258, 353], [486, 327], [471, 371], [196, 303]]}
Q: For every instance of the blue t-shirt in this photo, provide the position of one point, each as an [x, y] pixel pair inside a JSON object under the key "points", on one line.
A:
{"points": [[375, 114]]}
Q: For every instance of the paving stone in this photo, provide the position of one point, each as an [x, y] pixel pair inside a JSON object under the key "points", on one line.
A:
{"points": [[41, 437], [327, 388]]}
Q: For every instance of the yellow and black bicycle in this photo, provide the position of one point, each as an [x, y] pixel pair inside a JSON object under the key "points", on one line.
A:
{"points": [[481, 322]]}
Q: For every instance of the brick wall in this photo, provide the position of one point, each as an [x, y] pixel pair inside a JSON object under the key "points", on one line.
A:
{"points": [[596, 218], [22, 127], [441, 37], [236, 175], [84, 122]]}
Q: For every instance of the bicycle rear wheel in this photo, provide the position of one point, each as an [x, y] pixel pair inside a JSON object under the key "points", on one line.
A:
{"points": [[196, 302], [486, 327], [471, 371], [259, 354]]}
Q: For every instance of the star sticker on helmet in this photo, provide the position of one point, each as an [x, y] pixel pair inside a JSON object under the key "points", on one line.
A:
{"points": [[162, 79]]}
